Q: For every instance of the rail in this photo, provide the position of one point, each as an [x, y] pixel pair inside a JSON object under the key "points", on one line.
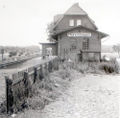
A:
{"points": [[15, 60]]}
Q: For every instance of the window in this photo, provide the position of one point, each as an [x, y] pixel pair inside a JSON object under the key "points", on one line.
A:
{"points": [[71, 22], [85, 44], [78, 22]]}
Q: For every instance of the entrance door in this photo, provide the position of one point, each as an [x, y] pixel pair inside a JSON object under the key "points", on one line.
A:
{"points": [[79, 57]]}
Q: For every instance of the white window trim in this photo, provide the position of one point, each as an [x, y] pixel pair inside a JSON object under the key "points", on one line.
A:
{"points": [[79, 22], [71, 22]]}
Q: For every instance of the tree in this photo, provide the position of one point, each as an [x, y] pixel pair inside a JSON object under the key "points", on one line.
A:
{"points": [[50, 28], [116, 48], [13, 53], [50, 31]]}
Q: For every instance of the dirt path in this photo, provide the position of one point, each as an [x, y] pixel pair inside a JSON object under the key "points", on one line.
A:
{"points": [[90, 96]]}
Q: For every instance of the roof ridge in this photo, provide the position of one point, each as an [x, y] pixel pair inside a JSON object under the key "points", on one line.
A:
{"points": [[75, 9]]}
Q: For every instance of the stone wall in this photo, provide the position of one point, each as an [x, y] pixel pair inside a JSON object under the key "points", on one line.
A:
{"points": [[19, 85]]}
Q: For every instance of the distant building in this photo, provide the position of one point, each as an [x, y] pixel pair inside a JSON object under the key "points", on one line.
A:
{"points": [[75, 36]]}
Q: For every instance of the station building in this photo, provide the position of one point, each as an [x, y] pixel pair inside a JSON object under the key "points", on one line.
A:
{"points": [[75, 36]]}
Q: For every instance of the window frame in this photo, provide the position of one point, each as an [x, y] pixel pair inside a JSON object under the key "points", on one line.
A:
{"points": [[85, 44], [79, 22], [71, 22]]}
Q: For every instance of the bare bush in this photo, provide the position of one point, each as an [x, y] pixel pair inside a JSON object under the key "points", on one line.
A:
{"points": [[49, 89], [98, 67], [109, 67]]}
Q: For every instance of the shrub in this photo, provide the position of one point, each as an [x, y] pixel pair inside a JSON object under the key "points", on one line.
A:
{"points": [[48, 89], [82, 67], [109, 67], [97, 67]]}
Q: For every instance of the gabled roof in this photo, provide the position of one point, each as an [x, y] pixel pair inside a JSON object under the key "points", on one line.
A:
{"points": [[75, 10], [58, 17], [66, 30]]}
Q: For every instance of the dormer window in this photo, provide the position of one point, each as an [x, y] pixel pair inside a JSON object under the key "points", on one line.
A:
{"points": [[71, 22], [78, 22]]}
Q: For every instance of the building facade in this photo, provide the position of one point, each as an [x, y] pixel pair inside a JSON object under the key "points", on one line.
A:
{"points": [[75, 36]]}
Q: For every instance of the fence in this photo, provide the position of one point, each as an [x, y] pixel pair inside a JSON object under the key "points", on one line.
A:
{"points": [[19, 85]]}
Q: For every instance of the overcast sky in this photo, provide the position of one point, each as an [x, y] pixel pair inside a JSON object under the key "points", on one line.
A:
{"points": [[24, 22]]}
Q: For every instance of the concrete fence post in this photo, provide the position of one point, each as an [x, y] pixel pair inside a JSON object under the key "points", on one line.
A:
{"points": [[35, 75], [9, 95], [46, 69], [56, 64], [27, 85], [41, 73], [50, 66]]}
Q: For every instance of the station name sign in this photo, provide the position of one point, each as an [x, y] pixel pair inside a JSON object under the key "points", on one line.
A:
{"points": [[78, 34]]}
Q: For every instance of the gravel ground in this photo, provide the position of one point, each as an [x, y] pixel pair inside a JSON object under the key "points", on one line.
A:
{"points": [[89, 96]]}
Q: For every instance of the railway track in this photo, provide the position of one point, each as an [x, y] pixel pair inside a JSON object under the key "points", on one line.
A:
{"points": [[16, 60]]}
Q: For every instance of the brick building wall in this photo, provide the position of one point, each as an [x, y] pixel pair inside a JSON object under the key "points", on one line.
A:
{"points": [[66, 43]]}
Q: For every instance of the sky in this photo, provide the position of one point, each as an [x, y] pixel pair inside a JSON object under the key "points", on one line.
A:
{"points": [[24, 22]]}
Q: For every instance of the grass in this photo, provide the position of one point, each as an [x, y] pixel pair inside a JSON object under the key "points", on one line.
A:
{"points": [[45, 90], [54, 84], [50, 88], [98, 67], [109, 67]]}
